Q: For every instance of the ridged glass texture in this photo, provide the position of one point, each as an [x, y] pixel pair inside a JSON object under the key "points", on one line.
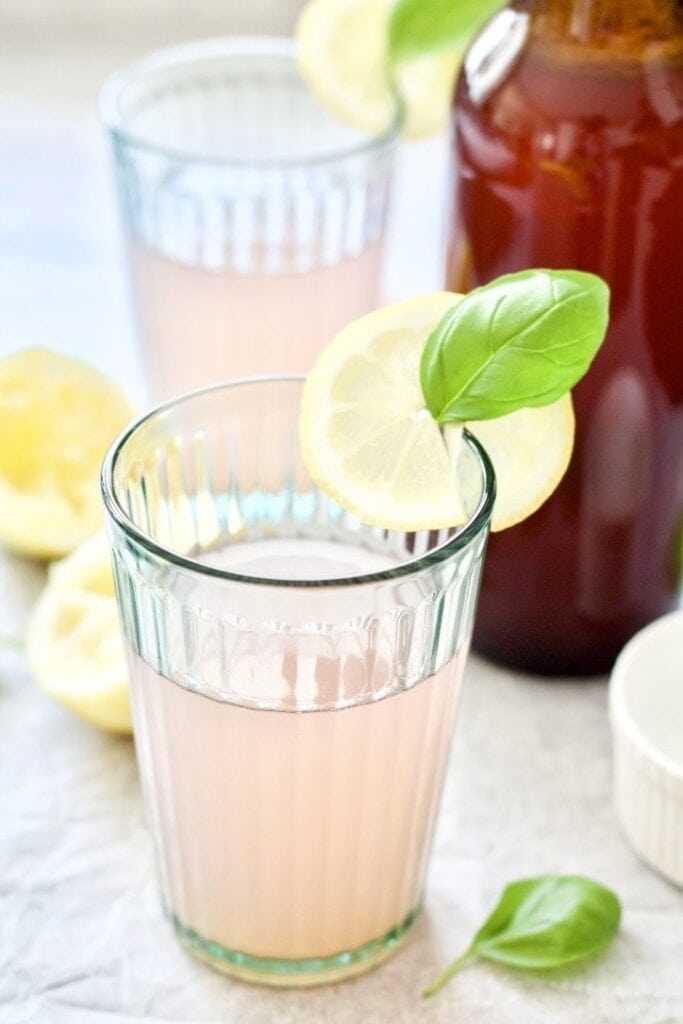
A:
{"points": [[292, 733], [254, 218]]}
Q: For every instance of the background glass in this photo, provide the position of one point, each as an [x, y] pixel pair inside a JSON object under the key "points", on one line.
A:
{"points": [[295, 679], [254, 218]]}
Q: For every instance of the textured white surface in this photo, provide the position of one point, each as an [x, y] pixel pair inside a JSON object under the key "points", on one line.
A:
{"points": [[82, 938]]}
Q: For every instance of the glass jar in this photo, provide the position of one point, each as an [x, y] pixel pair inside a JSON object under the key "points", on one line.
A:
{"points": [[568, 136]]}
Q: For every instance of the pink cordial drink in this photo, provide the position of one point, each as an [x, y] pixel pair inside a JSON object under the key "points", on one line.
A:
{"points": [[254, 219], [295, 679], [294, 835], [201, 325]]}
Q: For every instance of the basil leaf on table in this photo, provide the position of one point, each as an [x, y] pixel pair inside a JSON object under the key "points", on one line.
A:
{"points": [[542, 923], [420, 26], [523, 340]]}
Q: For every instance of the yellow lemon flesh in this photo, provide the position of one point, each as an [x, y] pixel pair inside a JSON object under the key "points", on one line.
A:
{"points": [[369, 442], [74, 642], [57, 418], [341, 49]]}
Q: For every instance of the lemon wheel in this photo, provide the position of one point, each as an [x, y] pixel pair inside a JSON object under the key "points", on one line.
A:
{"points": [[341, 49], [370, 443]]}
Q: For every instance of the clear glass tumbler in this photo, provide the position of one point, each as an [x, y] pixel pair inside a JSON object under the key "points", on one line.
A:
{"points": [[295, 679], [254, 218]]}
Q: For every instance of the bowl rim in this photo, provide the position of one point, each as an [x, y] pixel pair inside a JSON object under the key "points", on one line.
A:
{"points": [[622, 719]]}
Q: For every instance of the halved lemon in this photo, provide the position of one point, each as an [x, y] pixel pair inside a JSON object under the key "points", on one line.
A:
{"points": [[74, 641], [369, 442], [341, 49], [57, 418]]}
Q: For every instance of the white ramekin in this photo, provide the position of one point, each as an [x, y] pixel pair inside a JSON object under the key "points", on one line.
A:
{"points": [[646, 712]]}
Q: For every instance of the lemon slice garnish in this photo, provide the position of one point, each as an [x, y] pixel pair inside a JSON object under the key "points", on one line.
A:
{"points": [[530, 450], [425, 85], [341, 49], [74, 641], [341, 52], [369, 442], [57, 418]]}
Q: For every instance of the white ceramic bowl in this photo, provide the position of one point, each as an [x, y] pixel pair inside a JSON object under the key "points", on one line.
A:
{"points": [[646, 711]]}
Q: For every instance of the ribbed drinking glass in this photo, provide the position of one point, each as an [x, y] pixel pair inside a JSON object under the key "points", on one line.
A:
{"points": [[254, 219], [295, 679]]}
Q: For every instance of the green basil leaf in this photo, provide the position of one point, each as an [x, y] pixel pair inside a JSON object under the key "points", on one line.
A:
{"points": [[549, 922], [523, 340], [543, 923], [420, 26]]}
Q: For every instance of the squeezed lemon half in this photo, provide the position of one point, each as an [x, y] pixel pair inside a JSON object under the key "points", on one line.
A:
{"points": [[369, 442], [74, 642], [57, 418]]}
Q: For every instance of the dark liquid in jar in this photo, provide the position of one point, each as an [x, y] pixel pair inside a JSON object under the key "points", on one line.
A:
{"points": [[576, 161]]}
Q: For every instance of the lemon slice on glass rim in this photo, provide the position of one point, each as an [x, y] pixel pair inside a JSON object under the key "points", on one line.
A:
{"points": [[74, 641], [341, 48], [370, 443], [57, 418]]}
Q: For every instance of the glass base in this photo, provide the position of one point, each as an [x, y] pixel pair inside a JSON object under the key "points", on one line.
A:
{"points": [[282, 973]]}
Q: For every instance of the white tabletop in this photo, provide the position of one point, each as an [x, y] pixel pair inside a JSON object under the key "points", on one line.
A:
{"points": [[82, 936]]}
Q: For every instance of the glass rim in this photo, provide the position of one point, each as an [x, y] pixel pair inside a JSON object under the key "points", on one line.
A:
{"points": [[226, 46], [463, 535]]}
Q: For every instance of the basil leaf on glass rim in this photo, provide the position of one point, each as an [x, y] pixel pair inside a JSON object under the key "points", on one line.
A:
{"points": [[543, 923], [523, 340], [421, 26]]}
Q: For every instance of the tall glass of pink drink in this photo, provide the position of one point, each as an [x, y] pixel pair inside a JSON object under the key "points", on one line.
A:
{"points": [[254, 219], [295, 678]]}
